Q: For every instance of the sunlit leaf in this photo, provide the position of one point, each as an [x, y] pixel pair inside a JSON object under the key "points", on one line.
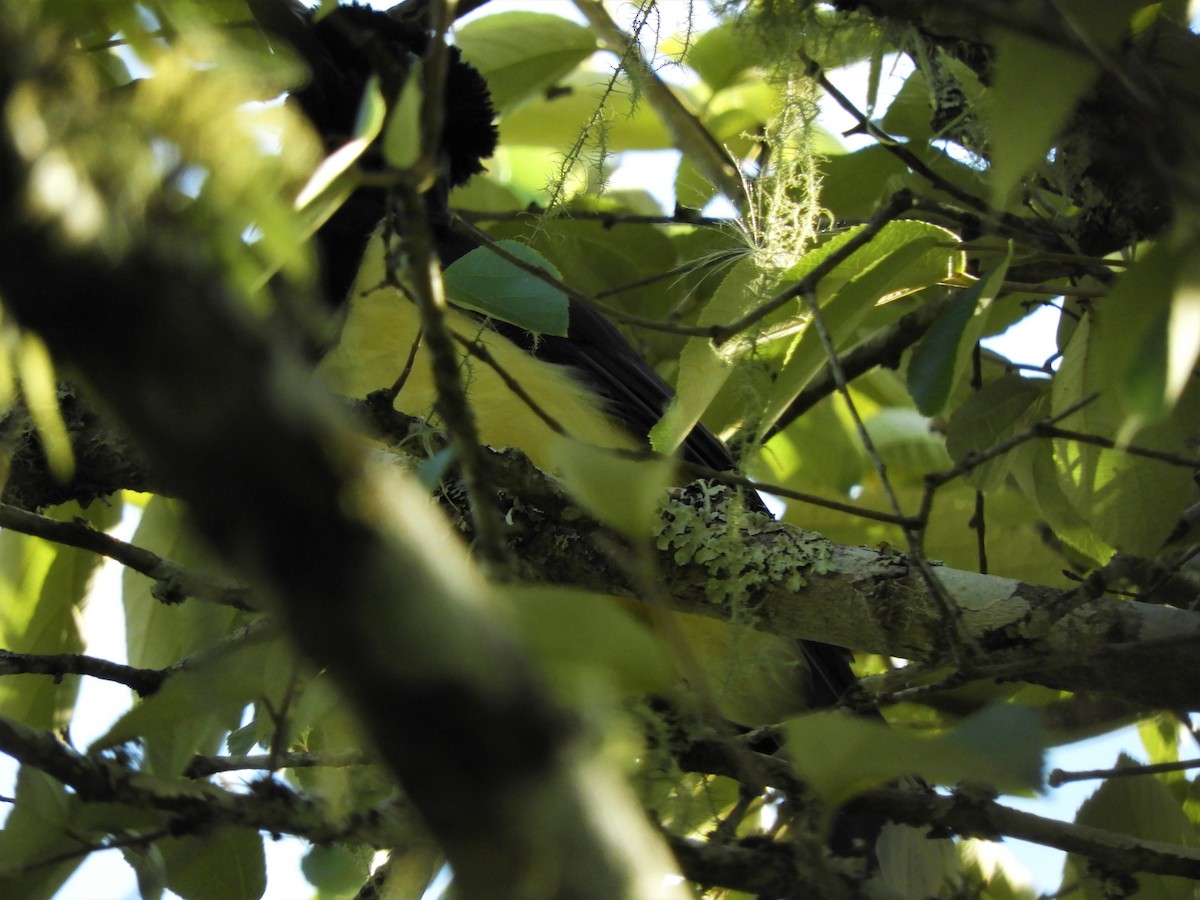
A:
{"points": [[523, 53], [40, 388], [41, 588], [704, 367], [623, 493], [580, 638], [158, 634], [1002, 746], [904, 257], [1131, 501], [557, 120], [720, 55], [402, 135], [1022, 133]]}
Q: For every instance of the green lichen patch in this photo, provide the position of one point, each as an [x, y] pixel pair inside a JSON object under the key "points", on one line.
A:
{"points": [[744, 551]]}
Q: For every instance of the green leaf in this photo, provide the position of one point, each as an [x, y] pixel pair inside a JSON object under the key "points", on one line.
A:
{"points": [[158, 634], [1131, 331], [995, 413], [623, 493], [402, 136], [931, 366], [854, 184], [372, 111], [42, 585], [1130, 501], [40, 388], [488, 283], [337, 869], [704, 367], [584, 641], [1160, 737], [904, 257], [1144, 808], [198, 704], [1034, 470], [521, 54], [37, 829], [943, 355], [906, 443], [720, 55], [228, 864], [1149, 327], [1023, 132], [557, 121], [1001, 745]]}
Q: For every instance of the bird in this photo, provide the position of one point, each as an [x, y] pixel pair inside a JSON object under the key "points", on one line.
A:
{"points": [[590, 380]]}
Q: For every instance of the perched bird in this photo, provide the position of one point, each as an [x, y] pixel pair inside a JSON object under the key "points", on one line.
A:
{"points": [[591, 380]]}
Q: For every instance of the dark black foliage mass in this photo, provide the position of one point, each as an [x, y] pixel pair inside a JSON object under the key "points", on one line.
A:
{"points": [[343, 50]]}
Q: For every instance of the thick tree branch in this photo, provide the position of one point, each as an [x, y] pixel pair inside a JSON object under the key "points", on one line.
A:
{"points": [[273, 480], [875, 600]]}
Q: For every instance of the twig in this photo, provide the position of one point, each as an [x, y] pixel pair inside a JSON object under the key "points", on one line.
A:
{"points": [[1058, 777], [204, 766], [687, 132], [1052, 431], [607, 219], [452, 405], [173, 582], [961, 646], [144, 681], [1010, 223], [974, 817], [275, 808], [976, 459], [884, 346]]}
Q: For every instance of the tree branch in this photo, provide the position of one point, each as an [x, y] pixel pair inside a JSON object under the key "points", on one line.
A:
{"points": [[270, 806], [173, 582], [275, 482], [144, 681]]}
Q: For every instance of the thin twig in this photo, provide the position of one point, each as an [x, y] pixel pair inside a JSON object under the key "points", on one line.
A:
{"points": [[452, 405], [174, 582], [606, 219], [1058, 777], [688, 133], [1010, 223], [205, 766]]}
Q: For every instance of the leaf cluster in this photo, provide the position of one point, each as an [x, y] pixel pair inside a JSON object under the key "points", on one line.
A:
{"points": [[823, 303]]}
